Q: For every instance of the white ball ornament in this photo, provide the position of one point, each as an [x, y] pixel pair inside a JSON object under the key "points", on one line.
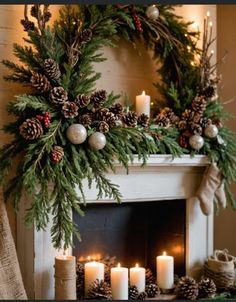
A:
{"points": [[152, 12], [196, 142], [97, 140], [211, 131], [76, 134]]}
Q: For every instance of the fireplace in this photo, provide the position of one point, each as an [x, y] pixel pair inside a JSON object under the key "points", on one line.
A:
{"points": [[162, 184], [133, 232]]}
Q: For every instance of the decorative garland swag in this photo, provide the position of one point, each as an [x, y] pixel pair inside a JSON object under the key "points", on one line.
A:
{"points": [[65, 131]]}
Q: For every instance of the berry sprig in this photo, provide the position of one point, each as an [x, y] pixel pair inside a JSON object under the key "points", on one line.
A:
{"points": [[137, 22], [45, 118]]}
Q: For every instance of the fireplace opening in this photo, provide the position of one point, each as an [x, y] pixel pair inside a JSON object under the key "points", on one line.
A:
{"points": [[134, 232]]}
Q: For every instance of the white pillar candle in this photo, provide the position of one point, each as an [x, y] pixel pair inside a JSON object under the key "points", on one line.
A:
{"points": [[143, 104], [92, 270], [165, 271], [137, 277], [119, 283]]}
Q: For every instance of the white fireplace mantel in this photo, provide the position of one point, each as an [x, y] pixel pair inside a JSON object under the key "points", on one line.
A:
{"points": [[162, 178]]}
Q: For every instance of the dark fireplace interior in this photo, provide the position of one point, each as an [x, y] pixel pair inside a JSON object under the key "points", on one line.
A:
{"points": [[134, 232]]}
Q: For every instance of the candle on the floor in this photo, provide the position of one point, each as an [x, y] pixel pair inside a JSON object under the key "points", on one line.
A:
{"points": [[92, 270], [165, 271], [137, 277], [143, 104], [119, 283], [65, 278]]}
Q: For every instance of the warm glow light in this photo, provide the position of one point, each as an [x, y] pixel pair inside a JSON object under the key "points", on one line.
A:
{"points": [[192, 63], [136, 265], [118, 265], [143, 93], [212, 52], [164, 254], [89, 258], [210, 24], [208, 14]]}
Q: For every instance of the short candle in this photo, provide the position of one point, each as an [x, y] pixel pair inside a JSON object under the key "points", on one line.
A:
{"points": [[119, 283], [137, 277], [165, 271], [92, 270], [143, 104]]}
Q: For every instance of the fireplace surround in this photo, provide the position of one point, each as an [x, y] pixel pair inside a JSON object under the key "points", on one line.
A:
{"points": [[161, 179]]}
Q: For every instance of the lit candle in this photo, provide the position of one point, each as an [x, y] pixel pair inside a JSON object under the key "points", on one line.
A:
{"points": [[92, 270], [143, 104], [165, 271], [119, 283], [137, 277], [65, 278]]}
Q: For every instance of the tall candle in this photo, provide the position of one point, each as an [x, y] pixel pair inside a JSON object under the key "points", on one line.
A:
{"points": [[92, 270], [65, 278], [143, 104], [165, 271], [137, 277], [119, 283]]}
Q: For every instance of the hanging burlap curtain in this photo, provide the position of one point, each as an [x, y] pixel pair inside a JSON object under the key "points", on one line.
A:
{"points": [[11, 284]]}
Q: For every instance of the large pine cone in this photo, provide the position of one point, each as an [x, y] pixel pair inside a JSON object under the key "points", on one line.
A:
{"points": [[169, 113], [196, 128], [57, 154], [207, 288], [199, 104], [85, 120], [209, 91], [152, 290], [82, 100], [182, 125], [58, 96], [27, 24], [133, 292], [143, 120], [187, 115], [103, 127], [69, 110], [162, 120], [204, 122], [80, 280], [105, 115], [117, 109], [99, 290], [98, 98], [187, 288], [130, 119], [52, 69], [85, 36], [40, 82], [31, 129], [150, 279], [142, 296]]}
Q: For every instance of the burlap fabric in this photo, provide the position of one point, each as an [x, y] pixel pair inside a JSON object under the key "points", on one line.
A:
{"points": [[11, 285]]}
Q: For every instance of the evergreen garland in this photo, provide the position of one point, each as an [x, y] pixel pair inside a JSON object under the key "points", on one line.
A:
{"points": [[57, 64]]}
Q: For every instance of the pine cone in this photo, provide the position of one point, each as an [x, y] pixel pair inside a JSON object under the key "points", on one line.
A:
{"points": [[143, 120], [99, 290], [169, 113], [85, 36], [209, 91], [133, 292], [98, 98], [150, 279], [196, 117], [117, 109], [57, 154], [31, 129], [199, 104], [204, 122], [152, 290], [58, 96], [27, 24], [196, 128], [103, 127], [85, 120], [69, 110], [105, 115], [52, 69], [40, 82], [162, 120], [34, 11], [130, 119], [207, 288], [187, 288], [142, 296], [187, 115], [182, 125], [109, 262], [82, 100], [80, 280], [183, 141]]}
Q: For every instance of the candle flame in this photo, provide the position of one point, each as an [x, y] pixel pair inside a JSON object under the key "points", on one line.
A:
{"points": [[210, 24], [137, 265], [89, 258], [164, 253], [143, 93], [208, 14], [212, 52], [118, 265]]}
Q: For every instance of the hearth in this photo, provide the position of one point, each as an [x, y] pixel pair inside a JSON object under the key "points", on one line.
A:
{"points": [[133, 232]]}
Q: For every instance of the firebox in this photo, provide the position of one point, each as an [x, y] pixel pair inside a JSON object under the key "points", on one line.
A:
{"points": [[133, 232]]}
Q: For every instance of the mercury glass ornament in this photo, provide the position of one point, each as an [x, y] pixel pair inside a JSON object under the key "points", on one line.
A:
{"points": [[76, 134], [211, 131], [97, 140], [152, 12], [196, 142]]}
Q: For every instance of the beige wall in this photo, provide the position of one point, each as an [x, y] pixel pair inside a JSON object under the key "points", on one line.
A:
{"points": [[225, 223]]}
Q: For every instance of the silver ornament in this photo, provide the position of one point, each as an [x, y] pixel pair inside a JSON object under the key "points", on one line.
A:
{"points": [[211, 131], [76, 134], [152, 12], [97, 140], [196, 142]]}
